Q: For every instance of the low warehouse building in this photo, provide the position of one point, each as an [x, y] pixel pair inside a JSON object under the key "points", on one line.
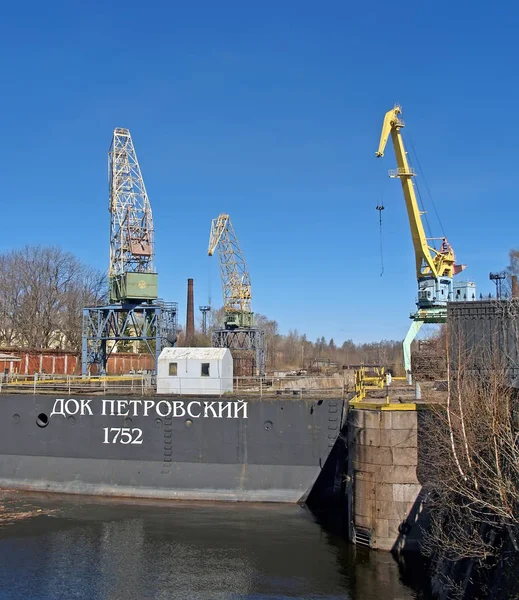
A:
{"points": [[195, 371]]}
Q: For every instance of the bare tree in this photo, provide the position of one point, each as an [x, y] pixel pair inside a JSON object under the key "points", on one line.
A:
{"points": [[43, 291], [270, 327], [293, 350], [9, 300], [470, 465], [89, 290]]}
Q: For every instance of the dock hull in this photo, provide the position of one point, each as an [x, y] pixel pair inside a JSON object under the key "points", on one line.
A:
{"points": [[234, 450]]}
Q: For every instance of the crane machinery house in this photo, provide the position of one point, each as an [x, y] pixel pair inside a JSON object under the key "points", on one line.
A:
{"points": [[195, 371]]}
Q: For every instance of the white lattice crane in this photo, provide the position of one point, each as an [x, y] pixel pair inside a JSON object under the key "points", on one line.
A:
{"points": [[237, 296], [132, 275]]}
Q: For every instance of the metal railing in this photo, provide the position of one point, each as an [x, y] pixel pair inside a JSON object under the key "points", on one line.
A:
{"points": [[369, 379], [142, 384], [337, 386], [401, 172], [268, 386], [295, 387]]}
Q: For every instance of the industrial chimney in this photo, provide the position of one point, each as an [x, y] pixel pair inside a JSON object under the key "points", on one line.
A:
{"points": [[190, 317], [515, 287]]}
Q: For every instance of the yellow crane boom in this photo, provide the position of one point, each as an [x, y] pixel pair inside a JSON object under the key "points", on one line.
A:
{"points": [[429, 260], [435, 267]]}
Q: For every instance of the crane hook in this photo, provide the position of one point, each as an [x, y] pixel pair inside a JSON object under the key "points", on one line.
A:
{"points": [[380, 208]]}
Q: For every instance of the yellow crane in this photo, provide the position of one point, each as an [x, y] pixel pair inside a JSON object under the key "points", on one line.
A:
{"points": [[237, 297], [435, 267]]}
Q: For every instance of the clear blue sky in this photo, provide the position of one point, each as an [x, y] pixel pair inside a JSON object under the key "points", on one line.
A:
{"points": [[271, 112]]}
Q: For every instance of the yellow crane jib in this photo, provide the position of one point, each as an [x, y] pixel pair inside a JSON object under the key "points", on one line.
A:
{"points": [[429, 260], [435, 266], [236, 287]]}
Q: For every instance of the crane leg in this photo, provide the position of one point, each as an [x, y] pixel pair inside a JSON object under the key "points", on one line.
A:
{"points": [[411, 334]]}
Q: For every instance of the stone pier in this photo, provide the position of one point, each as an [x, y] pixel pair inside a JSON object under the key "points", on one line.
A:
{"points": [[385, 494]]}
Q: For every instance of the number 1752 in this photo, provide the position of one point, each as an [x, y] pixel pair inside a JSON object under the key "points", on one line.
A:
{"points": [[122, 435]]}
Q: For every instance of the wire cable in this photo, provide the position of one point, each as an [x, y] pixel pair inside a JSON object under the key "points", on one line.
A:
{"points": [[380, 208], [209, 262], [423, 211], [415, 154]]}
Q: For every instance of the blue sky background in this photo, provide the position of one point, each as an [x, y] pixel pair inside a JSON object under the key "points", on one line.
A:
{"points": [[271, 112]]}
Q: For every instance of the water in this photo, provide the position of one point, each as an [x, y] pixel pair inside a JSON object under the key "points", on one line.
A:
{"points": [[84, 548]]}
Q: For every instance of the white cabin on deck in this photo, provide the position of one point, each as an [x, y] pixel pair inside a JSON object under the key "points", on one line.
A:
{"points": [[195, 371]]}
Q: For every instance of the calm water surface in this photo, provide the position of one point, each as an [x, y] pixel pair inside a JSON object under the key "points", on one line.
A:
{"points": [[107, 550]]}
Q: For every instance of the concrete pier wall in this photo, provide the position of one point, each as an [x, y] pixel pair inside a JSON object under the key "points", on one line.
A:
{"points": [[385, 494]]}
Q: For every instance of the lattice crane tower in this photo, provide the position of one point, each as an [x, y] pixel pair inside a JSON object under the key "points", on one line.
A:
{"points": [[239, 332], [132, 275], [135, 315], [234, 274]]}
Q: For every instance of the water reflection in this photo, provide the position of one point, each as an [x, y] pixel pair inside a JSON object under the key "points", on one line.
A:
{"points": [[108, 551]]}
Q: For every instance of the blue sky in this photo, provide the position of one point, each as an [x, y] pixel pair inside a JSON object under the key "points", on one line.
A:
{"points": [[270, 112]]}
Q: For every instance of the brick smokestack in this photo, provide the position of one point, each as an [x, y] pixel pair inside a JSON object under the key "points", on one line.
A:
{"points": [[190, 317], [515, 287]]}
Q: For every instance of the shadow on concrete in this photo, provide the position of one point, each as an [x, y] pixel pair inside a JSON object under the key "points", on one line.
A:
{"points": [[410, 531]]}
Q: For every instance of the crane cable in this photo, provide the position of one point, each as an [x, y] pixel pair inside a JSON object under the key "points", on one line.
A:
{"points": [[415, 154], [380, 208], [423, 212], [209, 273]]}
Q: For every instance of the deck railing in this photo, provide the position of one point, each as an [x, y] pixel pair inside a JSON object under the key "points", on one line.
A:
{"points": [[146, 385]]}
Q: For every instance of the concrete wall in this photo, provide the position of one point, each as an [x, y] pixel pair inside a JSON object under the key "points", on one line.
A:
{"points": [[385, 494]]}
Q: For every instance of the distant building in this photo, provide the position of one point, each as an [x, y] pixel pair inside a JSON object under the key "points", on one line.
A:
{"points": [[323, 365], [8, 362], [195, 371]]}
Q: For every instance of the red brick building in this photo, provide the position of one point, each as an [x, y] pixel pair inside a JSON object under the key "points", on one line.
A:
{"points": [[27, 361]]}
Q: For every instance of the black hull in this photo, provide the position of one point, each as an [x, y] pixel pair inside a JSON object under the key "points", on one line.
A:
{"points": [[264, 451]]}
